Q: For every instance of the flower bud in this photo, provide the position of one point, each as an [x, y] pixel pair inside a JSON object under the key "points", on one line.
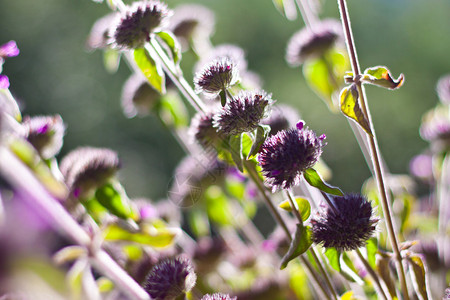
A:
{"points": [[217, 76]]}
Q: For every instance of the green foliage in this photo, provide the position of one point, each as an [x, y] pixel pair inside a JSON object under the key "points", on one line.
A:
{"points": [[333, 256], [151, 70], [350, 107], [314, 179], [172, 43], [299, 245], [303, 205]]}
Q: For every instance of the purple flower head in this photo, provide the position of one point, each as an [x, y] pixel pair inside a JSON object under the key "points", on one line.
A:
{"points": [[225, 51], [137, 24], [4, 82], [217, 76], [87, 168], [203, 132], [435, 125], [307, 43], [243, 113], [347, 226], [138, 97], [282, 117], [9, 49], [286, 155], [443, 89], [45, 133], [170, 278], [99, 35], [191, 22], [218, 296]]}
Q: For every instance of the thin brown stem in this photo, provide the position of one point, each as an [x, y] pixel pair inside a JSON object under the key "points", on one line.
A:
{"points": [[373, 147], [372, 273]]}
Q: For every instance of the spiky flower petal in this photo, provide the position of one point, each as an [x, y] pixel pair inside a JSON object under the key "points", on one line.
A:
{"points": [[286, 155], [282, 117], [243, 113], [138, 22], [170, 278], [307, 43], [443, 89], [86, 168], [218, 296], [218, 75], [45, 133], [99, 36], [347, 226], [203, 132]]}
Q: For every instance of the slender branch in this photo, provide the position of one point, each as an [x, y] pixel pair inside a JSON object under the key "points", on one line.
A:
{"points": [[372, 273], [373, 147]]}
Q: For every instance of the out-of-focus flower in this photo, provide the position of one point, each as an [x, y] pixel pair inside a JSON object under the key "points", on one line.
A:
{"points": [[435, 126], [225, 51], [87, 168], [137, 24], [443, 89], [286, 155], [345, 226], [243, 113], [282, 117], [138, 97], [99, 36], [307, 43], [170, 278], [45, 133], [191, 22], [218, 296], [421, 166], [9, 49], [4, 82], [219, 75], [207, 253], [203, 132]]}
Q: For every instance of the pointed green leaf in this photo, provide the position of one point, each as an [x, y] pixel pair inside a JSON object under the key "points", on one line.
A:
{"points": [[261, 134], [198, 222], [314, 179], [151, 70], [158, 237], [235, 148], [381, 76], [351, 109], [113, 201], [372, 248], [418, 275], [333, 256], [304, 207], [223, 98], [299, 245], [105, 285], [172, 43]]}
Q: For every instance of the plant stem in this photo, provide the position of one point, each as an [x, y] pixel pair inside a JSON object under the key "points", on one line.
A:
{"points": [[307, 15], [372, 273], [373, 147]]}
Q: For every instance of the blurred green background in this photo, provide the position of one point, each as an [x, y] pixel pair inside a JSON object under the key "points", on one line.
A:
{"points": [[55, 74]]}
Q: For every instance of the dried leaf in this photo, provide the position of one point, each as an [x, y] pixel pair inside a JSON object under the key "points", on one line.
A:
{"points": [[381, 76]]}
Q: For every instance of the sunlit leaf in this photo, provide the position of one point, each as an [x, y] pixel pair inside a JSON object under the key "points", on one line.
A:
{"points": [[418, 275], [247, 143], [304, 207], [172, 43], [314, 179], [113, 201], [351, 109], [151, 70], [372, 248], [286, 8], [235, 148], [111, 60], [261, 133], [217, 206], [381, 76], [298, 281], [333, 256], [158, 237], [348, 296], [172, 110], [299, 245]]}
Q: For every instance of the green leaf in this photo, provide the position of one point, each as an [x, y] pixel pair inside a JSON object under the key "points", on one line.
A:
{"points": [[155, 236], [314, 179], [223, 98], [381, 76], [333, 256], [299, 245], [217, 206], [113, 201], [372, 248], [111, 60], [151, 70], [172, 110], [286, 8], [172, 43], [235, 148], [261, 134], [351, 109], [304, 207], [198, 222], [418, 275]]}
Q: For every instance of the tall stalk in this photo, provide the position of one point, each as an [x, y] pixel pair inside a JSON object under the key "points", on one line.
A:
{"points": [[373, 143]]}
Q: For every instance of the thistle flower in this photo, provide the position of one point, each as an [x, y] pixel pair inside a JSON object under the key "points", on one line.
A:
{"points": [[170, 278], [138, 97], [191, 22], [217, 76], [87, 168], [286, 155], [45, 133], [229, 51], [99, 36], [243, 113], [282, 117], [435, 126], [203, 132], [307, 43], [443, 89], [218, 296], [345, 226], [137, 24]]}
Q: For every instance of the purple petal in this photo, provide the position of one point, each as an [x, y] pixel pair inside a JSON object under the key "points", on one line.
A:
{"points": [[300, 125], [9, 49], [4, 82]]}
